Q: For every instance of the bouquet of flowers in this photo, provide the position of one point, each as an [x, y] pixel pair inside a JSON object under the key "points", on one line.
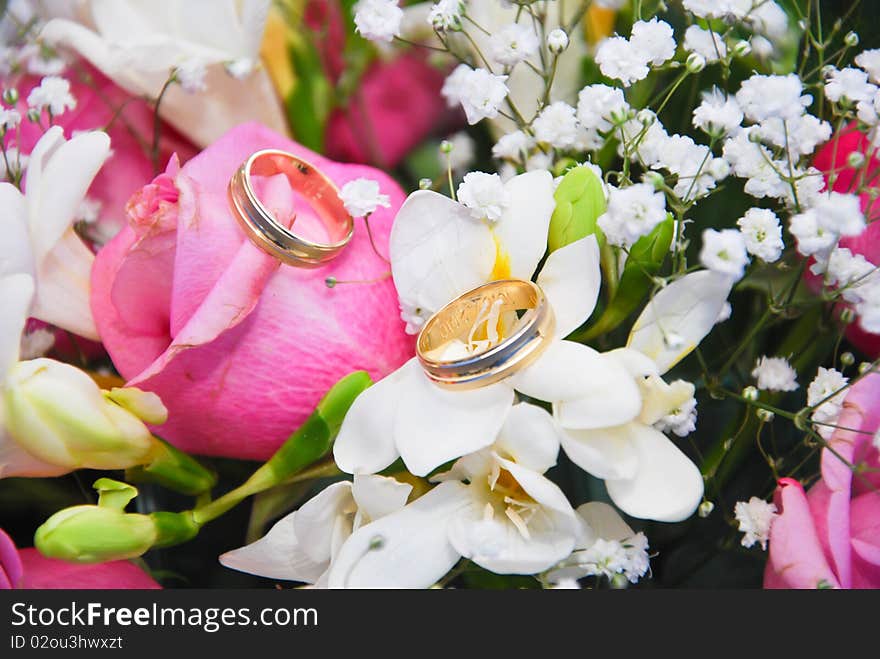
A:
{"points": [[456, 294]]}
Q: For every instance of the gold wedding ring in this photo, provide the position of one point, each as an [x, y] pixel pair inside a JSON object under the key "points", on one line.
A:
{"points": [[267, 232], [531, 336]]}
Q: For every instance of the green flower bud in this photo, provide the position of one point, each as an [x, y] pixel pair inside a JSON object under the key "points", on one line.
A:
{"points": [[10, 96], [57, 414], [580, 200], [695, 63], [851, 39]]}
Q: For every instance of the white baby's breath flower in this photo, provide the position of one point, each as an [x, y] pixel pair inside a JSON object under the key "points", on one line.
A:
{"points": [[755, 518], [557, 125], [826, 393], [53, 94], [600, 107], [682, 421], [724, 252], [718, 113], [513, 146], [378, 20], [632, 212], [484, 194], [240, 68], [618, 58], [841, 213], [361, 197], [446, 15], [557, 40], [414, 316], [654, 39], [869, 60], [812, 238], [710, 45], [9, 118], [849, 84], [775, 374], [513, 44], [191, 76], [765, 96], [479, 92], [763, 234]]}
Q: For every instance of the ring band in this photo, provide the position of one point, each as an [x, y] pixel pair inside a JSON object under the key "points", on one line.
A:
{"points": [[263, 228], [512, 354]]}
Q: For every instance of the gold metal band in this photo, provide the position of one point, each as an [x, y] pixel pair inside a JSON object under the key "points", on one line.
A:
{"points": [[263, 228], [532, 335]]}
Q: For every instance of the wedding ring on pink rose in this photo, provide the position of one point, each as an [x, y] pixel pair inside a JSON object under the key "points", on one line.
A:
{"points": [[263, 228], [481, 312]]}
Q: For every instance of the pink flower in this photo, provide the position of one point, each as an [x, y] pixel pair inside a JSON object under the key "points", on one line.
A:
{"points": [[833, 157], [239, 347], [131, 132], [830, 536], [28, 569]]}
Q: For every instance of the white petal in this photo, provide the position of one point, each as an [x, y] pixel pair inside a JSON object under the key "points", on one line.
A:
{"points": [[15, 248], [406, 549], [365, 443], [588, 390], [605, 521], [317, 518], [636, 363], [529, 437], [277, 555], [540, 488], [63, 287], [571, 279], [377, 496], [16, 293], [522, 230], [667, 486], [64, 173], [435, 425], [679, 317], [603, 452], [16, 462], [438, 251]]}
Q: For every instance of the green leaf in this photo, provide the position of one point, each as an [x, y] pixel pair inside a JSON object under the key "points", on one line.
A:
{"points": [[580, 200], [644, 260]]}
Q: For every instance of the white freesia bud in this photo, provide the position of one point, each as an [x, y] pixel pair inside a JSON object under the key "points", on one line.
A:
{"points": [[557, 40], [57, 414], [696, 63]]}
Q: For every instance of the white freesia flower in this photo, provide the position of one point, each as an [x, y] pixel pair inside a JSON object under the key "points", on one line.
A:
{"points": [[438, 252], [303, 545], [494, 507], [39, 226], [138, 45]]}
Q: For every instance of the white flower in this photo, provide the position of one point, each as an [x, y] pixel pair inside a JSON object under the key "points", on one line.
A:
{"points": [[852, 273], [88, 210], [764, 96], [690, 162], [732, 9], [767, 17], [446, 15], [240, 68], [557, 40], [439, 252], [775, 374], [710, 45], [136, 45], [9, 118], [378, 20], [600, 107], [53, 94], [849, 84], [724, 252], [654, 39], [414, 316], [557, 125], [841, 214], [618, 58], [565, 584], [682, 420], [494, 507], [763, 234], [718, 113], [191, 76], [39, 233], [513, 44], [869, 60], [485, 194], [513, 146], [812, 238], [303, 545], [755, 518], [799, 136], [479, 92], [754, 162], [632, 212], [821, 395], [361, 197]]}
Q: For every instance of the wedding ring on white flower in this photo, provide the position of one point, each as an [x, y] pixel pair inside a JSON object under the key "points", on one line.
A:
{"points": [[487, 356], [264, 229]]}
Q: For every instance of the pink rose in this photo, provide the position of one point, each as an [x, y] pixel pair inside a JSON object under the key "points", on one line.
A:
{"points": [[833, 157], [831, 535], [131, 132], [239, 347], [28, 569]]}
